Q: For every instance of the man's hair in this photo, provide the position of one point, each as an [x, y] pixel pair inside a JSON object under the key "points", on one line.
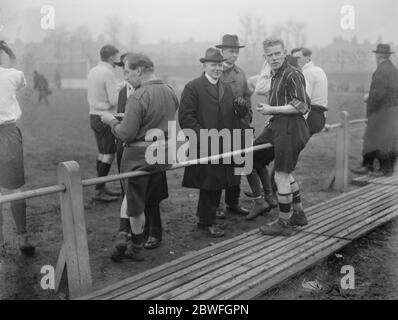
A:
{"points": [[135, 60], [306, 52], [108, 51], [273, 41], [296, 50]]}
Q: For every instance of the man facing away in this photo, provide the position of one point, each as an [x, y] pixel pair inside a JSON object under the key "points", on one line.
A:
{"points": [[381, 135], [316, 84], [288, 132], [152, 105], [12, 175], [40, 84], [102, 99]]}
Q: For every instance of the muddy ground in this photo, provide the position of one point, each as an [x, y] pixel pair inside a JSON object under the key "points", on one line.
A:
{"points": [[61, 132]]}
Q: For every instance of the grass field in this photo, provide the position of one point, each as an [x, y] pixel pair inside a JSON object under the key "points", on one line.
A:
{"points": [[61, 132]]}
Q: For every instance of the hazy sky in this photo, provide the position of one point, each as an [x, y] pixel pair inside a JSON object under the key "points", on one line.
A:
{"points": [[177, 20]]}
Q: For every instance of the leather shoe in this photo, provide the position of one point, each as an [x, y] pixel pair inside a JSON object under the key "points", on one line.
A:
{"points": [[214, 231], [236, 209], [152, 243], [250, 194], [259, 206], [220, 214], [110, 192], [103, 197]]}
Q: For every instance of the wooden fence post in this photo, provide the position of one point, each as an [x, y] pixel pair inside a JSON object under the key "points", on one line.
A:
{"points": [[75, 247], [342, 154]]}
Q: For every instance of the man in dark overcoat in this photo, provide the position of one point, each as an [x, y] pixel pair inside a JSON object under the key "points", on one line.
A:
{"points": [[381, 135], [207, 103]]}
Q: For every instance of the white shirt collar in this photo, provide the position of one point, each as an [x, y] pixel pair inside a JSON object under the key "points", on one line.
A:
{"points": [[308, 65], [211, 80]]}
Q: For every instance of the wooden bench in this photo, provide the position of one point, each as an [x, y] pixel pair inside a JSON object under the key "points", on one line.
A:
{"points": [[250, 264]]}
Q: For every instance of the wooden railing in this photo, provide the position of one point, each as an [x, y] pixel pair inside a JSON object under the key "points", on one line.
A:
{"points": [[74, 254]]}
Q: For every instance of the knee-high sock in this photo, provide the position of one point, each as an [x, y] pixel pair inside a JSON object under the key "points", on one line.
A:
{"points": [[254, 183], [18, 209], [297, 205], [137, 224], [124, 219], [285, 197], [285, 204], [265, 179], [103, 171]]}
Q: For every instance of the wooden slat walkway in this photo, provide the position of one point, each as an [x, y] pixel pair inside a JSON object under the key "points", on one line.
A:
{"points": [[247, 265]]}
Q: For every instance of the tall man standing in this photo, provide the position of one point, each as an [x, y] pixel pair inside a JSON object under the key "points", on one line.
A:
{"points": [[288, 132], [316, 84], [236, 79], [207, 103], [12, 175], [152, 105], [102, 99], [381, 135]]}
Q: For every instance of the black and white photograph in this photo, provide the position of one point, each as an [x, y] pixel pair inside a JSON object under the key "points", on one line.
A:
{"points": [[214, 152]]}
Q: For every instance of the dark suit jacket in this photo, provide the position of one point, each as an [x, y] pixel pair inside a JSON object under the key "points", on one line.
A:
{"points": [[384, 88], [122, 100], [121, 107], [201, 109]]}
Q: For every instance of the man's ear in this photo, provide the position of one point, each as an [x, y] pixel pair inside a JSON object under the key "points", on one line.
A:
{"points": [[139, 69]]}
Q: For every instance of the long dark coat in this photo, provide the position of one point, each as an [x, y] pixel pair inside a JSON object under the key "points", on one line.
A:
{"points": [[201, 109], [381, 133]]}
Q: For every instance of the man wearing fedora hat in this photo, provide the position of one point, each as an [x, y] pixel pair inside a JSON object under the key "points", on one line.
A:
{"points": [[207, 103], [235, 77], [381, 135]]}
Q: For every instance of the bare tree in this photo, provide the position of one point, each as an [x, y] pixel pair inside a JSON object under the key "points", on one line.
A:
{"points": [[113, 27], [292, 33], [253, 34]]}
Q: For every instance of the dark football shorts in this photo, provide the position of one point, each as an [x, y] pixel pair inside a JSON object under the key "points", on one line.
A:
{"points": [[106, 141], [288, 134]]}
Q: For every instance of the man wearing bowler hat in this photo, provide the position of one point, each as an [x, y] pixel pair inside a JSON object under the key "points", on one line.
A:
{"points": [[207, 103], [235, 77], [381, 135]]}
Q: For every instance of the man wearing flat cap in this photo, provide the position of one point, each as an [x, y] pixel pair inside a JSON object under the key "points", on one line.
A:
{"points": [[150, 108], [235, 77], [207, 103], [381, 135]]}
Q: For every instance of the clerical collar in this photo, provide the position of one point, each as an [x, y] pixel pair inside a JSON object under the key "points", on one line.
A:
{"points": [[211, 80]]}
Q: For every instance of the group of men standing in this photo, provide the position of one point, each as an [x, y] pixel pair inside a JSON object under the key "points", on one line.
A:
{"points": [[219, 99], [121, 115]]}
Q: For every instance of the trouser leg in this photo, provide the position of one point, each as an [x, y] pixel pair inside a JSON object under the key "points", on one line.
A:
{"points": [[207, 206], [153, 224], [232, 195]]}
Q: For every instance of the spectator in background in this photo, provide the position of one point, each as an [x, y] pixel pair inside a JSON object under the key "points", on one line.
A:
{"points": [[381, 135], [103, 99], [316, 85], [12, 175], [58, 80], [40, 84]]}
